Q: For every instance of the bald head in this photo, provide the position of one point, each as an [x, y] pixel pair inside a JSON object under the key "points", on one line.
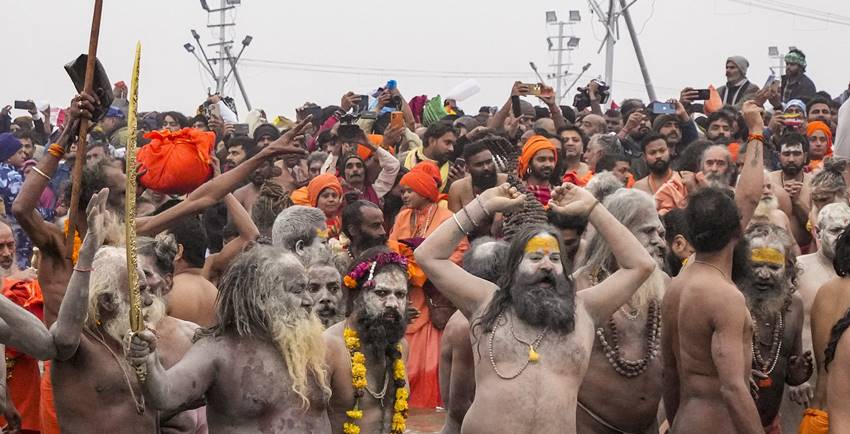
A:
{"points": [[546, 124], [593, 124]]}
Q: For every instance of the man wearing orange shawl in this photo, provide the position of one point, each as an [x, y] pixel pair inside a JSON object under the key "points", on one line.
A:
{"points": [[23, 377], [536, 164], [420, 217], [325, 193], [820, 144]]}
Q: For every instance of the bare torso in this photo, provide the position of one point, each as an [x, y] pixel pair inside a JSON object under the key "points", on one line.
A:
{"points": [[54, 278], [770, 398], [251, 391], [192, 298], [832, 301], [630, 404], [798, 228], [92, 391], [376, 419], [701, 407], [543, 397], [247, 196], [816, 271], [457, 372]]}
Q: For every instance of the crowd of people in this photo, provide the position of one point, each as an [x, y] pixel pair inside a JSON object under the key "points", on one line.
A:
{"points": [[678, 266]]}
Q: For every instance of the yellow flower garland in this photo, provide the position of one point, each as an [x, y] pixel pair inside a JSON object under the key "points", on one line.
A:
{"points": [[358, 381], [77, 242]]}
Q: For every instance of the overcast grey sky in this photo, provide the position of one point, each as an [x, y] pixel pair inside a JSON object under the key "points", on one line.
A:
{"points": [[685, 43]]}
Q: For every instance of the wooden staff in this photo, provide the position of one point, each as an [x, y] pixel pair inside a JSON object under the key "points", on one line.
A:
{"points": [[137, 323], [77, 173]]}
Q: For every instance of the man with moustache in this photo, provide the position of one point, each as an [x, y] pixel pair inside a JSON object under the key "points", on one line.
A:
{"points": [[793, 158], [371, 337], [324, 283], [656, 155], [363, 225], [482, 176], [93, 388], [768, 212], [534, 330], [485, 259], [247, 195], [777, 319], [706, 336], [536, 165], [622, 387], [353, 170], [576, 171], [261, 367]]}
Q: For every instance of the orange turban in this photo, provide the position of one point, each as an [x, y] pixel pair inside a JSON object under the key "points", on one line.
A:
{"points": [[534, 145], [321, 182], [424, 179], [824, 128]]}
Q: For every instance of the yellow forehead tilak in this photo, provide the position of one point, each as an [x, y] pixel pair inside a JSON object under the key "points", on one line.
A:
{"points": [[768, 255], [547, 243]]}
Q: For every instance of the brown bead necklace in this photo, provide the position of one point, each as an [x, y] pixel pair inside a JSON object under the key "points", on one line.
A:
{"points": [[767, 366], [623, 366]]}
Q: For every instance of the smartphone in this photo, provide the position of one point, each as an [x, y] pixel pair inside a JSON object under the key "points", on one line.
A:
{"points": [[702, 94], [396, 119], [240, 129], [662, 108], [363, 105], [24, 105], [534, 89], [460, 163], [515, 107]]}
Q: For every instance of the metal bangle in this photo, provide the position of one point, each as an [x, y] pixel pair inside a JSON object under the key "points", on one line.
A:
{"points": [[471, 220], [37, 170], [481, 204], [454, 216]]}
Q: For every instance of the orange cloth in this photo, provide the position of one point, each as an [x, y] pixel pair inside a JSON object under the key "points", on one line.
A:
{"points": [[300, 196], [573, 178], [534, 145], [422, 337], [47, 409], [176, 162], [814, 422], [734, 150], [23, 374], [630, 181], [824, 128], [321, 182], [377, 140], [425, 180], [672, 194]]}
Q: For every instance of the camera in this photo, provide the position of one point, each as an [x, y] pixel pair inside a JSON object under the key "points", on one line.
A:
{"points": [[582, 99]]}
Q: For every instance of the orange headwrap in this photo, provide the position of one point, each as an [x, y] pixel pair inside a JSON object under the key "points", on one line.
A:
{"points": [[321, 182], [824, 128], [534, 145], [424, 179]]}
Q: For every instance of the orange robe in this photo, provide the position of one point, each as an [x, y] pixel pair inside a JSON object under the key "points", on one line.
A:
{"points": [[815, 421], [22, 373], [423, 338]]}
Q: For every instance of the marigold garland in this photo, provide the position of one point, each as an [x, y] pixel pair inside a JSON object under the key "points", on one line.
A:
{"points": [[367, 268], [359, 382]]}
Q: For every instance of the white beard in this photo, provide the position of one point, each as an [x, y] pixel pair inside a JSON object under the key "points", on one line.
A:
{"points": [[766, 207], [651, 289], [119, 327]]}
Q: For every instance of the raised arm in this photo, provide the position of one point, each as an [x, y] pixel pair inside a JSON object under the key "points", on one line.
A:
{"points": [[69, 323], [185, 382], [635, 263], [23, 331], [750, 184], [213, 191], [217, 263], [44, 235], [727, 353], [497, 122], [465, 291], [389, 172]]}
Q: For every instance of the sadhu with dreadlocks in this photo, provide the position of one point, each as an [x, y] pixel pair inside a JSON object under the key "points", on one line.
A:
{"points": [[262, 367], [366, 354]]}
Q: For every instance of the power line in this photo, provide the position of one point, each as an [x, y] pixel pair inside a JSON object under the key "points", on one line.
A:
{"points": [[797, 11], [365, 70]]}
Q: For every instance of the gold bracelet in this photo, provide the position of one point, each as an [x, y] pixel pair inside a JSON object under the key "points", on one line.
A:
{"points": [[37, 170]]}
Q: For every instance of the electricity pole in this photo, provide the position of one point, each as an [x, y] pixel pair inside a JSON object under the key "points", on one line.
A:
{"points": [[224, 47], [561, 67]]}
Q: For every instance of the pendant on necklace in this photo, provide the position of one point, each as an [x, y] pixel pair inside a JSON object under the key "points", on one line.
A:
{"points": [[532, 355], [765, 383]]}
